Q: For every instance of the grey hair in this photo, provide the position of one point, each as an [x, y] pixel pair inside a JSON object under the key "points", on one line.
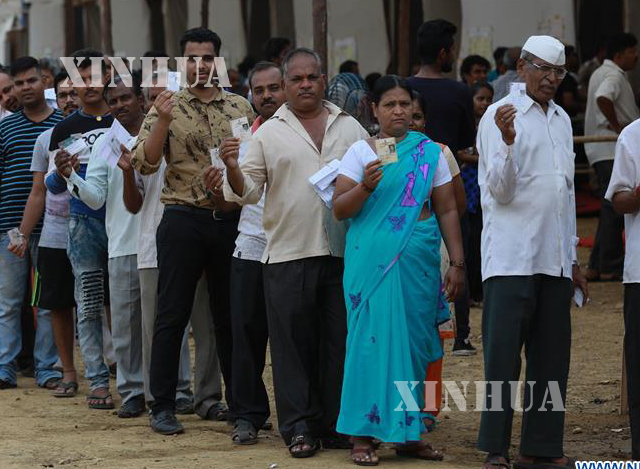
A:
{"points": [[510, 58], [298, 51]]}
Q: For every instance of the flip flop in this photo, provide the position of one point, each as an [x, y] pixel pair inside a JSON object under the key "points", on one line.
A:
{"points": [[496, 462], [52, 383], [420, 451], [65, 386], [366, 451], [102, 405], [244, 433]]}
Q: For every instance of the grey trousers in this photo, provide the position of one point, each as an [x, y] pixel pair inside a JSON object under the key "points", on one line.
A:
{"points": [[207, 381], [126, 325], [533, 311]]}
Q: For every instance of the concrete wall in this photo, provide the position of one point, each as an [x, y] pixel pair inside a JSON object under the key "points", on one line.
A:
{"points": [[225, 18], [362, 20], [131, 35], [46, 28]]}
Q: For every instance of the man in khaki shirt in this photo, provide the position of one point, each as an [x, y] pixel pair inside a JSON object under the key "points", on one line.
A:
{"points": [[305, 245], [198, 228]]}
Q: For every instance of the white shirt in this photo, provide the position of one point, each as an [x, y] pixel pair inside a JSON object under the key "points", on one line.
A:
{"points": [[527, 193], [106, 184], [360, 154], [611, 82], [150, 216], [625, 177]]}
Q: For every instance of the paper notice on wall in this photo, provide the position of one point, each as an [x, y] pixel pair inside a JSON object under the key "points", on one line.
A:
{"points": [[553, 26], [343, 49], [479, 41]]}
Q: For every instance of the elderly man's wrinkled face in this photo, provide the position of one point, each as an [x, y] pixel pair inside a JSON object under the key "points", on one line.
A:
{"points": [[542, 78]]}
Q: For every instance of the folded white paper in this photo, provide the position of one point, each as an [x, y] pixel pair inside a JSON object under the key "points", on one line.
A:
{"points": [[115, 136], [322, 182]]}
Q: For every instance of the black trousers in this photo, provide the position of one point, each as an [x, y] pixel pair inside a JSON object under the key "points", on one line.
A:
{"points": [[632, 357], [534, 311], [607, 255], [189, 241], [307, 330], [472, 255], [250, 335]]}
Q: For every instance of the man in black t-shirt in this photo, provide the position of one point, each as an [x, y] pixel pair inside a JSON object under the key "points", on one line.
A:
{"points": [[449, 120]]}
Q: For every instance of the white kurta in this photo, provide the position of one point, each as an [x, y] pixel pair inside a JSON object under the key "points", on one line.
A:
{"points": [[527, 193], [626, 177]]}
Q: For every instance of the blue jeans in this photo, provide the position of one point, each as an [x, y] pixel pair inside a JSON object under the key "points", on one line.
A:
{"points": [[14, 275], [87, 253]]}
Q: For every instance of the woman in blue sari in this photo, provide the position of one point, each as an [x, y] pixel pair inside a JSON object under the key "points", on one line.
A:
{"points": [[392, 281]]}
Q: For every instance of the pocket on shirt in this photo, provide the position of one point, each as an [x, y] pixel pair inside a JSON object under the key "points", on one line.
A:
{"points": [[568, 167]]}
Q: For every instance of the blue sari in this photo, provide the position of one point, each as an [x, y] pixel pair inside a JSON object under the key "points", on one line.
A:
{"points": [[393, 295]]}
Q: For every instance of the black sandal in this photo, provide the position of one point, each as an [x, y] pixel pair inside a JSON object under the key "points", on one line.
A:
{"points": [[496, 461], [102, 403], [244, 433], [62, 390], [367, 452], [304, 440]]}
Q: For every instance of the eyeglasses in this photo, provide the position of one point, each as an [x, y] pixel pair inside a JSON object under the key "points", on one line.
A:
{"points": [[548, 69]]}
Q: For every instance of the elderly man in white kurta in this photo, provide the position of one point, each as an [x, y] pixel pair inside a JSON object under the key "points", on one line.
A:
{"points": [[624, 193], [529, 264]]}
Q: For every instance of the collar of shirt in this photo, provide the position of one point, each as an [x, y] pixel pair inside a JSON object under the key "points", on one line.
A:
{"points": [[256, 124], [530, 103], [285, 114], [612, 65], [219, 95]]}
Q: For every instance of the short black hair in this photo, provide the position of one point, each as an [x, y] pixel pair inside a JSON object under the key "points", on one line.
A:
{"points": [[498, 54], [477, 86], [348, 66], [23, 64], [136, 83], [371, 79], [433, 36], [389, 82], [619, 42], [82, 58], [155, 53], [201, 35], [59, 78], [274, 47], [471, 60], [416, 96], [259, 67]]}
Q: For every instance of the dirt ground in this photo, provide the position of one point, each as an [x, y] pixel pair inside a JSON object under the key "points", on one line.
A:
{"points": [[41, 431]]}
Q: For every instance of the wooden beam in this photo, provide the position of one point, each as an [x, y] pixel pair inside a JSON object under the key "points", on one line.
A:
{"points": [[105, 27], [204, 13], [320, 31], [403, 39], [69, 29]]}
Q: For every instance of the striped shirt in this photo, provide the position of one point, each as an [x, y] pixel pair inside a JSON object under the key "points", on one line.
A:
{"points": [[18, 135]]}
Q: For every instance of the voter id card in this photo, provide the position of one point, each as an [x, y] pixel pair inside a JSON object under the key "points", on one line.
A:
{"points": [[240, 129], [518, 93], [73, 145], [386, 150], [216, 161]]}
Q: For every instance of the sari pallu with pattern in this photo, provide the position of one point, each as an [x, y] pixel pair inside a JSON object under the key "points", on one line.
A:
{"points": [[393, 295]]}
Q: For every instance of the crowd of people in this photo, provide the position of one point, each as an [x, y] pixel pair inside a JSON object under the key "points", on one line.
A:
{"points": [[441, 191]]}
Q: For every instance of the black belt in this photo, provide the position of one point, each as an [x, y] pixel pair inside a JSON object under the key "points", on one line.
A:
{"points": [[217, 215]]}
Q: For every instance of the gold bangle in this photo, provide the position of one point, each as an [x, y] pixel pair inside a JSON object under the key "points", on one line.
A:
{"points": [[457, 263]]}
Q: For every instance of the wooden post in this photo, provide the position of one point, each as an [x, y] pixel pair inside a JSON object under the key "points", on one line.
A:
{"points": [[402, 34], [204, 14], [68, 27], [105, 27], [320, 31]]}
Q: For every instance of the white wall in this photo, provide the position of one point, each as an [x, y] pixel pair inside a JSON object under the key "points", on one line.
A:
{"points": [[362, 20], [130, 30], [510, 22], [225, 18], [46, 29]]}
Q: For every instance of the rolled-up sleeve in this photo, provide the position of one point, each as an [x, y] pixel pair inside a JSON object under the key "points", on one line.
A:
{"points": [[138, 156], [254, 172], [609, 88]]}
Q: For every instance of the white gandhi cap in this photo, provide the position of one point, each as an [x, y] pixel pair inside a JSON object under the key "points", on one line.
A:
{"points": [[547, 48]]}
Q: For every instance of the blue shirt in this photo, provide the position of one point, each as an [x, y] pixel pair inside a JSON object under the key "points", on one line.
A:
{"points": [[18, 135]]}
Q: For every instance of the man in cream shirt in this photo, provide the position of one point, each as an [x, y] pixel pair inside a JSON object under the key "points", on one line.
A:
{"points": [[529, 265], [611, 104], [305, 246], [624, 193]]}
